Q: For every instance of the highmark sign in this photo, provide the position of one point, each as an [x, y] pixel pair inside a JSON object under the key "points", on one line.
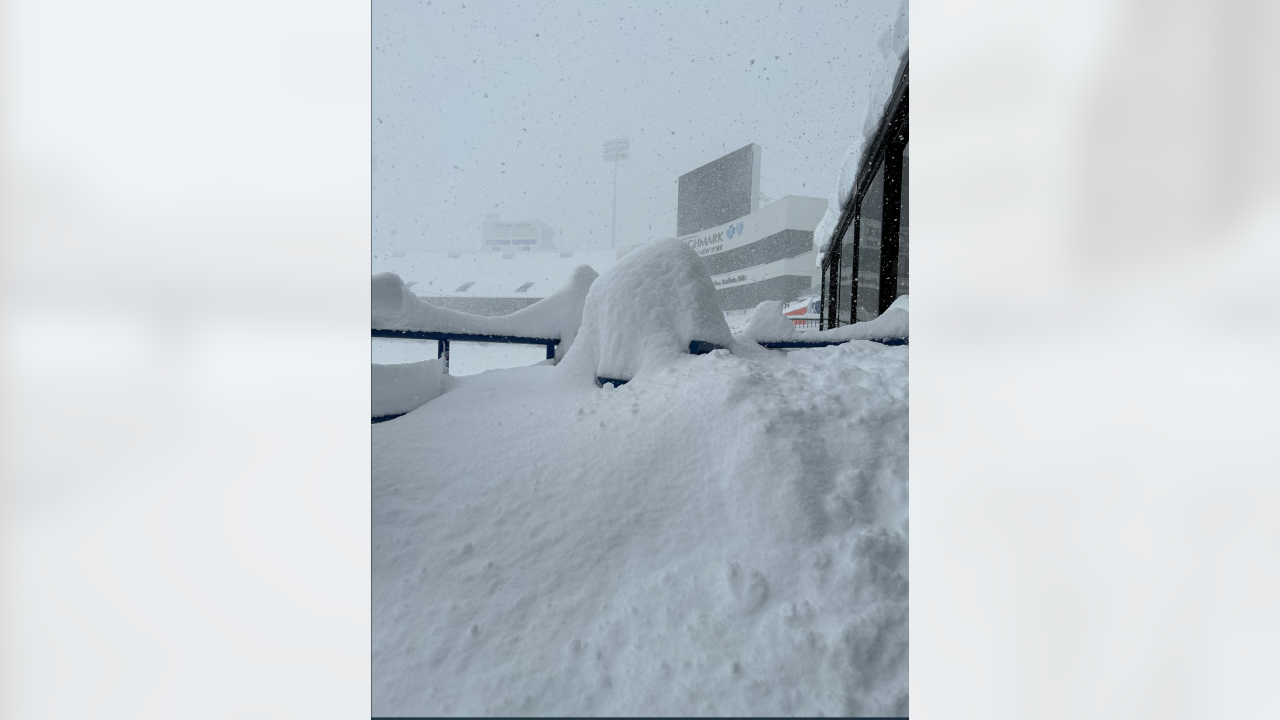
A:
{"points": [[722, 238]]}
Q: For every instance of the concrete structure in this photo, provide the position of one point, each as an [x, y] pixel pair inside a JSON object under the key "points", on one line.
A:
{"points": [[765, 255], [866, 265], [516, 235]]}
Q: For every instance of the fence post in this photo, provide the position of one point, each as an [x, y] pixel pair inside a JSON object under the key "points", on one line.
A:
{"points": [[551, 351], [442, 351]]}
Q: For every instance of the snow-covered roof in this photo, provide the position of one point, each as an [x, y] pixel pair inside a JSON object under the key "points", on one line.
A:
{"points": [[435, 274], [894, 44]]}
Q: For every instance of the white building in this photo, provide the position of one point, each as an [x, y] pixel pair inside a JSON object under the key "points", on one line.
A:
{"points": [[765, 255], [516, 235]]}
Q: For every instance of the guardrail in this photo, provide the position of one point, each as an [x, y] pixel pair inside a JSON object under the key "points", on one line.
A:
{"points": [[444, 338], [701, 347], [801, 344], [696, 347]]}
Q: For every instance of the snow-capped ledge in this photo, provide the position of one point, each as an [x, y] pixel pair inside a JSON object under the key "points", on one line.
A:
{"points": [[768, 324], [556, 316]]}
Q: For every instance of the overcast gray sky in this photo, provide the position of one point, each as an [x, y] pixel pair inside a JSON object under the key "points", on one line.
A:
{"points": [[502, 107]]}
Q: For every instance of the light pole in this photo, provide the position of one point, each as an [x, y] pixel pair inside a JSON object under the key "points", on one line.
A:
{"points": [[615, 150]]}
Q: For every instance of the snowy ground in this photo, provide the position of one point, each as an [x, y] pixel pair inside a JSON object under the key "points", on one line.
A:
{"points": [[721, 536]]}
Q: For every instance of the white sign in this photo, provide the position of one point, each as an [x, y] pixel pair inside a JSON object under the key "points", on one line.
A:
{"points": [[750, 275], [725, 237]]}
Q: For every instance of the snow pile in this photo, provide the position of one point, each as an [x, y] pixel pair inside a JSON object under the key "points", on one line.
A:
{"points": [[400, 388], [723, 535], [768, 324], [646, 311], [894, 45], [558, 315]]}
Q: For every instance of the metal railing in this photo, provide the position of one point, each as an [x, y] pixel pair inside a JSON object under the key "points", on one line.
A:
{"points": [[442, 347], [697, 347], [801, 344], [443, 340]]}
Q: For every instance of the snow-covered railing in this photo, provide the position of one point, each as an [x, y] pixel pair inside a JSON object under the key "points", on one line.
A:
{"points": [[800, 344], [397, 313], [769, 328], [443, 338]]}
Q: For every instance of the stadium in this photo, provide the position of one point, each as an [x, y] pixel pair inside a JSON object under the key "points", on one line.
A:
{"points": [[753, 251]]}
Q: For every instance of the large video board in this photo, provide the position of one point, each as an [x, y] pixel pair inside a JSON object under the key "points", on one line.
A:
{"points": [[722, 190]]}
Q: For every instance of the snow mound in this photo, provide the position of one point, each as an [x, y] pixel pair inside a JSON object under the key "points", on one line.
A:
{"points": [[558, 315], [768, 324], [400, 388], [728, 537], [645, 312]]}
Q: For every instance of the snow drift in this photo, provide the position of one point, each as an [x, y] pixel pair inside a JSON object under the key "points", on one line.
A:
{"points": [[724, 535], [768, 324], [403, 387], [644, 313], [558, 315]]}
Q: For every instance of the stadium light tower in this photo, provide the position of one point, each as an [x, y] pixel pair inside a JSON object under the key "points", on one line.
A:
{"points": [[615, 150]]}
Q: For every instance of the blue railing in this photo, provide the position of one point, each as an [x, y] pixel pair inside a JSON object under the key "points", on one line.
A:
{"points": [[443, 339], [701, 347], [442, 348], [696, 347], [800, 344]]}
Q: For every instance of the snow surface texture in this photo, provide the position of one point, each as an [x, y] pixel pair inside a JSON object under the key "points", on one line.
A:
{"points": [[558, 315], [400, 388], [894, 45], [768, 324], [646, 311], [724, 535]]}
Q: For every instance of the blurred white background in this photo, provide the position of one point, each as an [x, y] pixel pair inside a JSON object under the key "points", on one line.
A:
{"points": [[184, 359], [1094, 385]]}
